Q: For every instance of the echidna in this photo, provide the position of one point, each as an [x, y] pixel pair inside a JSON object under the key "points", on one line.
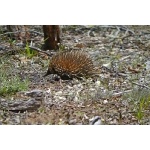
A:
{"points": [[73, 64]]}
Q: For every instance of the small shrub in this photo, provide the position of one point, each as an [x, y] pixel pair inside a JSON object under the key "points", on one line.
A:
{"points": [[29, 52]]}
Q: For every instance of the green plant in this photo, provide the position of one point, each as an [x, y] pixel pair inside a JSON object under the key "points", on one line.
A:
{"points": [[12, 86], [43, 41], [10, 83], [61, 47], [140, 99], [29, 52], [11, 42], [140, 109], [142, 106]]}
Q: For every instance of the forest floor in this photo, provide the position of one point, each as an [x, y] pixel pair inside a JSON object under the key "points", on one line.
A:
{"points": [[119, 94]]}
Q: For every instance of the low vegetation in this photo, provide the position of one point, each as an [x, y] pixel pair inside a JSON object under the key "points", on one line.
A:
{"points": [[10, 83]]}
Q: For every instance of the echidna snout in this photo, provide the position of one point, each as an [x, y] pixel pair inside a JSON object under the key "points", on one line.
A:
{"points": [[47, 73]]}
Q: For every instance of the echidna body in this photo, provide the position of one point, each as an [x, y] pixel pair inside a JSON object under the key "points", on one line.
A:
{"points": [[71, 64]]}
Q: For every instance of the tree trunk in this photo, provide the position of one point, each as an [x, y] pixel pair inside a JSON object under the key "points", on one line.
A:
{"points": [[20, 32], [51, 37]]}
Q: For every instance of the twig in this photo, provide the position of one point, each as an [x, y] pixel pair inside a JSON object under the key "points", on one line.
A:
{"points": [[141, 85], [12, 32], [41, 51], [121, 93], [119, 27], [124, 28], [21, 31], [36, 32]]}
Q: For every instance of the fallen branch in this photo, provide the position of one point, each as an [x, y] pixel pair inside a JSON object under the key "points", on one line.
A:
{"points": [[141, 85], [121, 93], [19, 31], [119, 27], [41, 51]]}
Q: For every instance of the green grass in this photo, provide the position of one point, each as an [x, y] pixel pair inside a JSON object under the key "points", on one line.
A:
{"points": [[143, 104], [10, 83], [140, 101], [29, 52]]}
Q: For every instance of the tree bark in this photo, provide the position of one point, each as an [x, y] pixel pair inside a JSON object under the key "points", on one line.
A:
{"points": [[20, 32], [51, 37]]}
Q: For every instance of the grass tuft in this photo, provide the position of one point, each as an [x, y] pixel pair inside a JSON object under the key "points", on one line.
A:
{"points": [[10, 83]]}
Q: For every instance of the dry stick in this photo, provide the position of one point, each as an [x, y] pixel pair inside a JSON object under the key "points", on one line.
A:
{"points": [[141, 85], [39, 50], [123, 28], [121, 93], [122, 38], [34, 48], [21, 31], [12, 32]]}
